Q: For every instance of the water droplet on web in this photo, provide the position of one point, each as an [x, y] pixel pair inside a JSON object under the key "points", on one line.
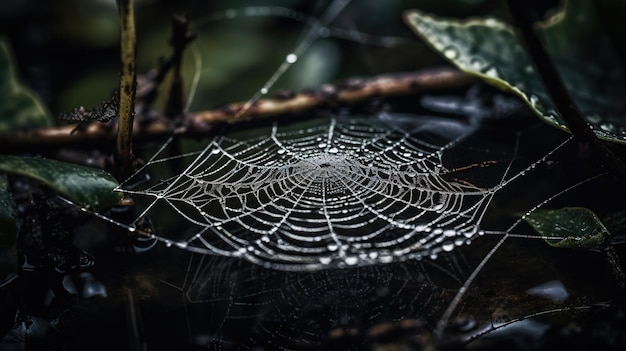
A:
{"points": [[291, 58], [321, 145], [215, 151], [333, 150], [325, 260], [281, 151], [351, 261], [265, 239], [263, 91], [182, 244], [332, 247], [168, 243], [448, 246], [449, 232], [469, 234]]}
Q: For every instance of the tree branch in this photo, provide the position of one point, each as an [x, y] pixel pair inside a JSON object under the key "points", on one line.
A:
{"points": [[346, 92], [157, 126]]}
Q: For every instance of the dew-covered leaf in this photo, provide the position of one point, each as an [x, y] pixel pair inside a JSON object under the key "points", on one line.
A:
{"points": [[570, 227], [8, 234], [583, 53], [20, 108], [82, 185]]}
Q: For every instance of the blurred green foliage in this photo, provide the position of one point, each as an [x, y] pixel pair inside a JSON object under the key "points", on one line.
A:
{"points": [[67, 50]]}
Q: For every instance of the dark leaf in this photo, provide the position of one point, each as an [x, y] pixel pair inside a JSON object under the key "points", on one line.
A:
{"points": [[583, 53], [570, 227], [83, 185]]}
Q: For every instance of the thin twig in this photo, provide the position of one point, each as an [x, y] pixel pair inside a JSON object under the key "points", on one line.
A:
{"points": [[128, 87], [181, 37], [350, 91], [573, 117], [616, 266]]}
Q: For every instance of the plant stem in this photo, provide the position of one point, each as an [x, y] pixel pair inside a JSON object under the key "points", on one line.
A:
{"points": [[128, 87], [180, 38], [523, 17]]}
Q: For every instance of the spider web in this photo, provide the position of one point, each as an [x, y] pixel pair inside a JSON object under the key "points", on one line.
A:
{"points": [[336, 192]]}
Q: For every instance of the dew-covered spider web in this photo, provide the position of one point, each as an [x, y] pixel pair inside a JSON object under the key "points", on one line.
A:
{"points": [[332, 192], [342, 231]]}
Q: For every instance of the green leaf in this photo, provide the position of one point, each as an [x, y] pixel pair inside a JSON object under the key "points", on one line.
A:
{"points": [[584, 55], [19, 107], [83, 185], [8, 235], [570, 227]]}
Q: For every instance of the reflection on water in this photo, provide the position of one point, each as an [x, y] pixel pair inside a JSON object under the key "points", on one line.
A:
{"points": [[171, 300]]}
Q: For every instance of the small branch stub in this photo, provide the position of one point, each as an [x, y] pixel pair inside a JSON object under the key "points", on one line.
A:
{"points": [[128, 86]]}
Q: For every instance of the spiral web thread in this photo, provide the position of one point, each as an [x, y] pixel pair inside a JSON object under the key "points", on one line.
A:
{"points": [[331, 194]]}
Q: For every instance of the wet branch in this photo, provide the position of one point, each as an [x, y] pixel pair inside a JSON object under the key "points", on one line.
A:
{"points": [[154, 126], [352, 90]]}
